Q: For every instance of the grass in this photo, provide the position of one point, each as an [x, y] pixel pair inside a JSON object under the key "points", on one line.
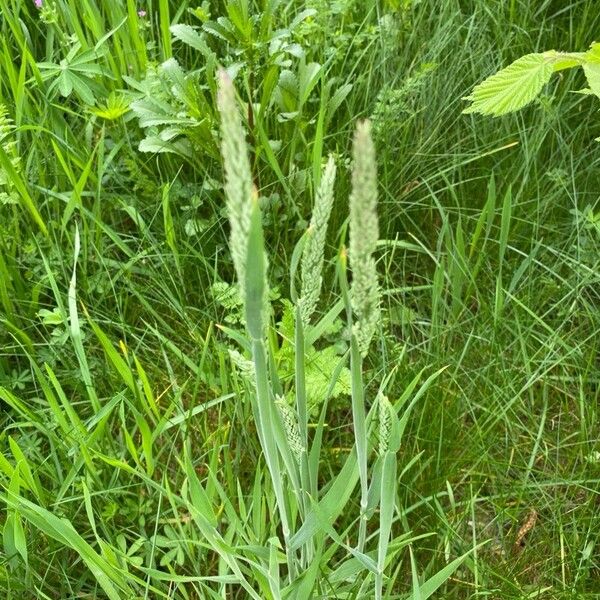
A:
{"points": [[130, 460]]}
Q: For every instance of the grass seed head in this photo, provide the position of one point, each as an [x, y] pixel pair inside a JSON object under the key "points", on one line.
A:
{"points": [[290, 425], [312, 255], [384, 407], [238, 177], [364, 233]]}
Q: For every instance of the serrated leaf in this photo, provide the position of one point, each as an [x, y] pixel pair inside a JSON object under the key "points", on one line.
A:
{"points": [[593, 54], [153, 112], [565, 60], [592, 74], [512, 88], [320, 368], [222, 28], [188, 35]]}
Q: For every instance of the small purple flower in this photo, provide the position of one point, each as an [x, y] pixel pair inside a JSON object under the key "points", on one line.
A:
{"points": [[141, 13], [38, 3]]}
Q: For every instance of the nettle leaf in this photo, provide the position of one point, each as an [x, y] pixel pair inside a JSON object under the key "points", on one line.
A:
{"points": [[512, 88], [222, 28], [287, 325], [591, 68]]}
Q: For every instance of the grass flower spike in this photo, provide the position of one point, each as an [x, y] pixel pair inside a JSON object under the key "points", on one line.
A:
{"points": [[238, 178], [364, 233], [385, 409], [290, 424], [312, 255]]}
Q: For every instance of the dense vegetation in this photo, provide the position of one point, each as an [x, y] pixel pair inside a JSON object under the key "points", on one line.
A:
{"points": [[188, 410]]}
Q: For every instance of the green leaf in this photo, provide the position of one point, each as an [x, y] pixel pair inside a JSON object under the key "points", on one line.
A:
{"points": [[302, 588], [389, 484], [6, 164], [65, 84], [416, 594], [592, 74], [188, 35], [512, 88], [593, 54], [108, 577], [256, 277], [83, 90], [331, 504], [19, 536], [27, 473], [320, 367], [427, 589], [197, 494], [156, 144], [118, 363]]}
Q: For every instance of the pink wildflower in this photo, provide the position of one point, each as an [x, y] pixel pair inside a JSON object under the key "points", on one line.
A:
{"points": [[38, 3], [141, 13]]}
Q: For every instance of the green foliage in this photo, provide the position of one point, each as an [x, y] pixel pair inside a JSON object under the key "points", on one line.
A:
{"points": [[396, 107], [520, 83], [8, 193], [131, 457], [282, 426], [512, 88], [323, 377], [76, 73], [173, 111]]}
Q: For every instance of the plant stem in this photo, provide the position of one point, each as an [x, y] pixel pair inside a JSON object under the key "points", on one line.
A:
{"points": [[265, 420], [358, 407]]}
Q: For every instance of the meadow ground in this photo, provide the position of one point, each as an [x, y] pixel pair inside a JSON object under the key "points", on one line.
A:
{"points": [[130, 465]]}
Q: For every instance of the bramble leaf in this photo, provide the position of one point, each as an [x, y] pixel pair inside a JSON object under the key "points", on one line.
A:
{"points": [[512, 88], [592, 74]]}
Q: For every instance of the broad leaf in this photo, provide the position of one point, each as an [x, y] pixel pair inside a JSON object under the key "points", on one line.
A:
{"points": [[512, 88], [592, 73]]}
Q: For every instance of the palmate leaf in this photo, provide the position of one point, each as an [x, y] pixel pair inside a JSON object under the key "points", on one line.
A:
{"points": [[512, 88]]}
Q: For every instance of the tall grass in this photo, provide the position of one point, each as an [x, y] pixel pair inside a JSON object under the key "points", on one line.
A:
{"points": [[307, 514], [163, 436]]}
